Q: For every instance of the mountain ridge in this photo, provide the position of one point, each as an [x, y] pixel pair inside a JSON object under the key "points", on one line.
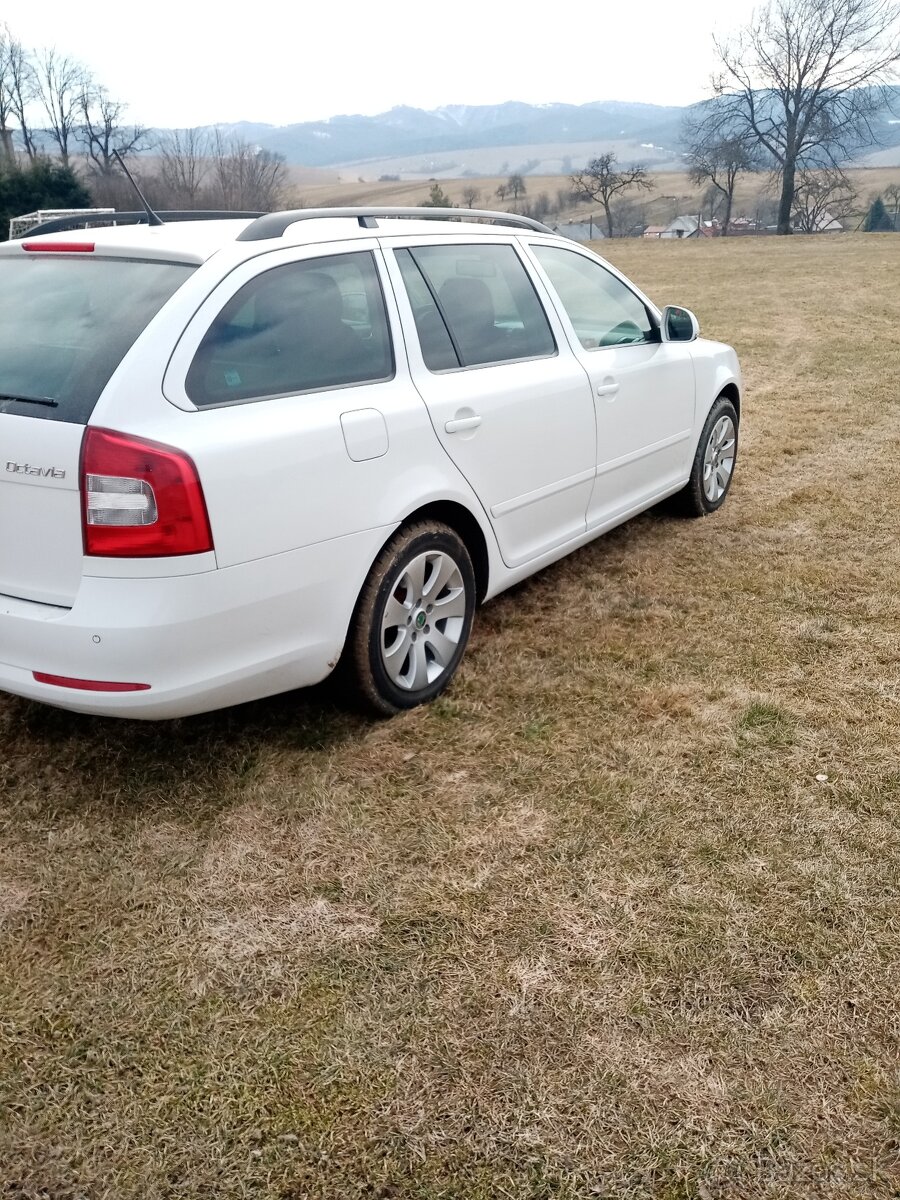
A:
{"points": [[631, 128], [349, 138]]}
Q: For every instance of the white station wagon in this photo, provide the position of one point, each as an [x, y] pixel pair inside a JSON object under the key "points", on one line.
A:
{"points": [[240, 453]]}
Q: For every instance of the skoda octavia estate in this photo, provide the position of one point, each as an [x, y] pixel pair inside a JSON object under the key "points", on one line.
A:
{"points": [[242, 452]]}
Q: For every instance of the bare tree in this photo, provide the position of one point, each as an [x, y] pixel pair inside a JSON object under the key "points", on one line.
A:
{"points": [[717, 156], [515, 187], [805, 79], [539, 207], [18, 85], [471, 196], [102, 132], [60, 82], [565, 198], [245, 176], [629, 215], [822, 196], [7, 146], [602, 181], [184, 165]]}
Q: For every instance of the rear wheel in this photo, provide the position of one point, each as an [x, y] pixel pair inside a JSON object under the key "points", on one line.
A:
{"points": [[713, 467], [412, 620]]}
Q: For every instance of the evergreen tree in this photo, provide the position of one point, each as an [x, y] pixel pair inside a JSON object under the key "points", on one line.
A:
{"points": [[44, 183], [877, 219], [437, 198]]}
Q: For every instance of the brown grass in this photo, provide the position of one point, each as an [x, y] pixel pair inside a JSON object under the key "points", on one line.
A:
{"points": [[617, 917], [672, 193]]}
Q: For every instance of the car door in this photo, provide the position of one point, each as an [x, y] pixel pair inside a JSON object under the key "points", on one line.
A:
{"points": [[643, 387], [289, 366], [507, 398]]}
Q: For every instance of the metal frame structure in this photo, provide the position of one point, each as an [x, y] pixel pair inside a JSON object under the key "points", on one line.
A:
{"points": [[87, 220], [19, 226]]}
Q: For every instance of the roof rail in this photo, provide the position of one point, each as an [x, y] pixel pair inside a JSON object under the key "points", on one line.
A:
{"points": [[273, 225], [85, 220]]}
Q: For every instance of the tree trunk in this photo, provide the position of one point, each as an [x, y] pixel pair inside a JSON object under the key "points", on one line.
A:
{"points": [[786, 202], [729, 200], [609, 224], [6, 145]]}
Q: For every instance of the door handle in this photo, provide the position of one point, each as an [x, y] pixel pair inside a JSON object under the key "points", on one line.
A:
{"points": [[460, 423], [608, 387]]}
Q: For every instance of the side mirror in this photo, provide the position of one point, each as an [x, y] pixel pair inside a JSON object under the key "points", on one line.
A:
{"points": [[679, 325]]}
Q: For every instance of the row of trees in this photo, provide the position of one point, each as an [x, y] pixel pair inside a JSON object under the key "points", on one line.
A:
{"points": [[49, 99], [821, 196], [202, 168]]}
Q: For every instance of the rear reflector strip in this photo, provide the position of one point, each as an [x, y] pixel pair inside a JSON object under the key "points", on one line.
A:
{"points": [[89, 685], [59, 247]]}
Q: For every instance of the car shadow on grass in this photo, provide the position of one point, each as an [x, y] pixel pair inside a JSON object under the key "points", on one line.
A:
{"points": [[202, 764]]}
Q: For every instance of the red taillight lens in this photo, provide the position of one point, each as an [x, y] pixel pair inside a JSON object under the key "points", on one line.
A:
{"points": [[140, 499]]}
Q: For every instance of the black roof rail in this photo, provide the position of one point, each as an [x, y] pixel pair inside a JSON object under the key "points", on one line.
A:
{"points": [[273, 225], [65, 224]]}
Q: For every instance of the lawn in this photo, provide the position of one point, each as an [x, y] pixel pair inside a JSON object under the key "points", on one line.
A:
{"points": [[617, 917]]}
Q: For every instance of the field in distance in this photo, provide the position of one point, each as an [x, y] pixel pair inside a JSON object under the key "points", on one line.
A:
{"points": [[672, 194], [616, 917]]}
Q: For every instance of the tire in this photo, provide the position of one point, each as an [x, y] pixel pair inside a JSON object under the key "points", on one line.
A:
{"points": [[398, 655], [713, 467]]}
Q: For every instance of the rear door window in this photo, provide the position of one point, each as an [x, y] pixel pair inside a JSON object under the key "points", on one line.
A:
{"points": [[473, 306], [66, 324], [299, 327]]}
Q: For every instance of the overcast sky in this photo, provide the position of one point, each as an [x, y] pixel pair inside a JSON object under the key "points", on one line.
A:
{"points": [[182, 64]]}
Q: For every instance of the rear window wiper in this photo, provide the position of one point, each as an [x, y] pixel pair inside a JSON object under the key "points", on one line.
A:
{"points": [[50, 403]]}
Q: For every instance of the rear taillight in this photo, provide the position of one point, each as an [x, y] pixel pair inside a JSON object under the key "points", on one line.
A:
{"points": [[140, 499]]}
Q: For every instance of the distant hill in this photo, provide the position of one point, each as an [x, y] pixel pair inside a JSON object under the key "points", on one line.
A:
{"points": [[406, 132], [460, 139]]}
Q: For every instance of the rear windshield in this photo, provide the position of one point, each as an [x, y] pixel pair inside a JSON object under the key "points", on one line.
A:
{"points": [[67, 323]]}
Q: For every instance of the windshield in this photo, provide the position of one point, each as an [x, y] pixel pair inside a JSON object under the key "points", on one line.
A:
{"points": [[66, 324]]}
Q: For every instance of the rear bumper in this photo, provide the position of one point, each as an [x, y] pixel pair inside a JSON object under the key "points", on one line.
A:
{"points": [[201, 641]]}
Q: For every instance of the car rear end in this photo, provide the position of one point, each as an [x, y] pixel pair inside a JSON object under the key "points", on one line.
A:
{"points": [[110, 597], [69, 314]]}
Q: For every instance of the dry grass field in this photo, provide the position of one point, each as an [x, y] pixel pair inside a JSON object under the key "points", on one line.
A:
{"points": [[672, 193], [618, 917]]}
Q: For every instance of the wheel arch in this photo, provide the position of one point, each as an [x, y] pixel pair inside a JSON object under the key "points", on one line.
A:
{"points": [[461, 520], [731, 392]]}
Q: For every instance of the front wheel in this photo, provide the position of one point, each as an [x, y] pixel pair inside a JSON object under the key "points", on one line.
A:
{"points": [[412, 620], [713, 467]]}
